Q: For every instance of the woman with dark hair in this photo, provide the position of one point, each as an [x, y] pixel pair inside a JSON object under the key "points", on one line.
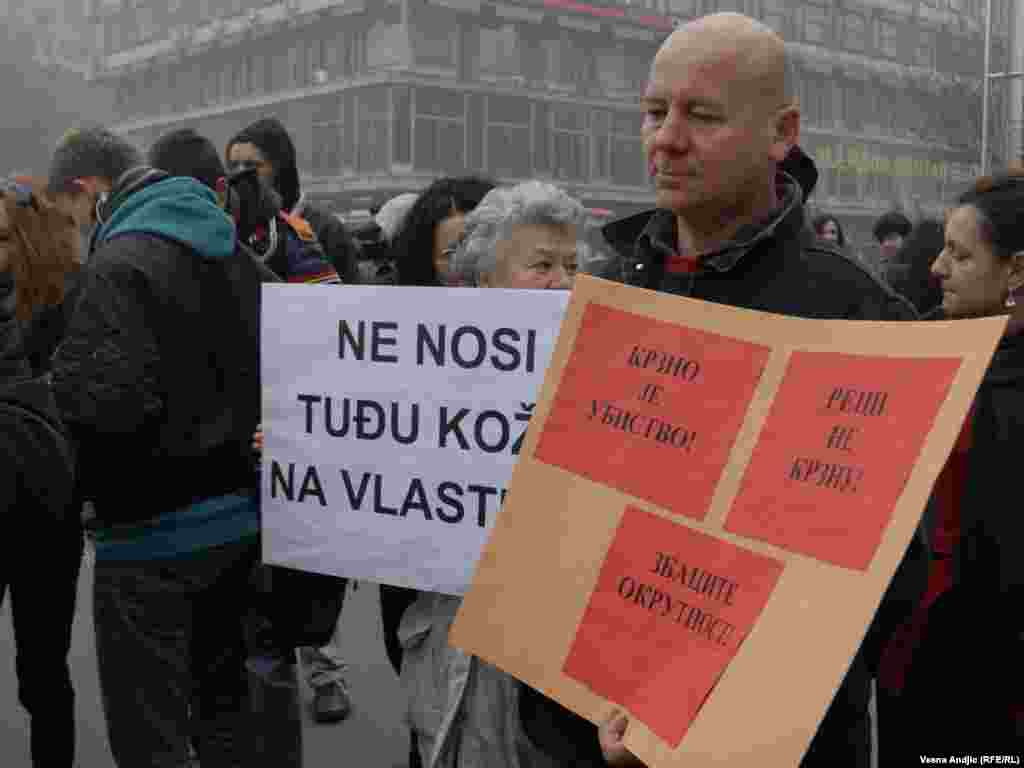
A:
{"points": [[826, 226], [910, 274], [965, 689], [425, 243], [423, 246]]}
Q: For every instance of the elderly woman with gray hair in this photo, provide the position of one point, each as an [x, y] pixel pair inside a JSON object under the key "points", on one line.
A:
{"points": [[463, 711], [521, 237]]}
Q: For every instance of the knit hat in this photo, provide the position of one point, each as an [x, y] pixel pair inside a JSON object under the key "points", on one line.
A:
{"points": [[270, 137], [185, 153], [91, 151]]}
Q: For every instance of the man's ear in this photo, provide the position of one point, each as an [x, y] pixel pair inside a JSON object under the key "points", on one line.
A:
{"points": [[787, 132], [1015, 280]]}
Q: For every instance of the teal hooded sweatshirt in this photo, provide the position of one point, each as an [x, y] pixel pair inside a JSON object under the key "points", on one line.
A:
{"points": [[185, 211]]}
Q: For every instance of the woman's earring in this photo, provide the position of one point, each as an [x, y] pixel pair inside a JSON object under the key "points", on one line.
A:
{"points": [[1010, 301]]}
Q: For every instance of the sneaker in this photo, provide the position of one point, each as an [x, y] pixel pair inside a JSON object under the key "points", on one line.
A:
{"points": [[331, 703]]}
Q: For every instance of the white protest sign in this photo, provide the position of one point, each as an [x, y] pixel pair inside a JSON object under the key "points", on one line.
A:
{"points": [[392, 419]]}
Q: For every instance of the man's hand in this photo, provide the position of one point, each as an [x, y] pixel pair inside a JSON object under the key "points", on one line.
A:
{"points": [[257, 440], [610, 733]]}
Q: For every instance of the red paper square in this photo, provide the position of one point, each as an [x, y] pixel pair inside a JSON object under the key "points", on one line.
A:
{"points": [[651, 656], [842, 520], [671, 452]]}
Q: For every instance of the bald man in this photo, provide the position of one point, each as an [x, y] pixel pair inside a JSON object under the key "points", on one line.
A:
{"points": [[720, 132]]}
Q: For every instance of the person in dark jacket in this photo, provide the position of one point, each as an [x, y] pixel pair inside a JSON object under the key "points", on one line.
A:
{"points": [[910, 272], [890, 231], [157, 379], [38, 246], [965, 688], [277, 735], [720, 119], [827, 227], [267, 145], [425, 242]]}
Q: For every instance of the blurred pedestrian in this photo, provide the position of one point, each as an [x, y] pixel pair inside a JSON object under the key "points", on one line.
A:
{"points": [[39, 247], [267, 145]]}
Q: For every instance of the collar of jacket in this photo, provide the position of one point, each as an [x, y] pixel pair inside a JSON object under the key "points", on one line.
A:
{"points": [[651, 235]]}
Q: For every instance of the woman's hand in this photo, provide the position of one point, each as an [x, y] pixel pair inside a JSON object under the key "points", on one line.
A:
{"points": [[611, 733], [257, 439]]}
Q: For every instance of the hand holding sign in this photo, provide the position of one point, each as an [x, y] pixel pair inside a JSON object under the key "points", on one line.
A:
{"points": [[611, 734]]}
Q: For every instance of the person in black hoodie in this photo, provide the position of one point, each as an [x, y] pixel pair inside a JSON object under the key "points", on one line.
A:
{"points": [[965, 686], [38, 246], [266, 145], [720, 133]]}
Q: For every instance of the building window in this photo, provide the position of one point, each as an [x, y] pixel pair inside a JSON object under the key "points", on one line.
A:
{"points": [[298, 64], [627, 160], [776, 14], [847, 184], [818, 24], [888, 38], [386, 45], [209, 86], [924, 56], [401, 105], [500, 51], [508, 137], [439, 136], [602, 124], [328, 125], [855, 104], [435, 34], [682, 7], [570, 142], [612, 69], [815, 93], [374, 130], [114, 38], [145, 22], [565, 61], [855, 32]]}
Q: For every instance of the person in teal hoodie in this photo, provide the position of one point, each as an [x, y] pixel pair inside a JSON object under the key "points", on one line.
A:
{"points": [[158, 380]]}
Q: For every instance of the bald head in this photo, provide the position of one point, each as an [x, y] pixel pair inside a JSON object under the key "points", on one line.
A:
{"points": [[750, 54], [719, 118]]}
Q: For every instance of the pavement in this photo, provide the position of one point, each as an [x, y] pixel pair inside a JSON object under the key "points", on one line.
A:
{"points": [[372, 736]]}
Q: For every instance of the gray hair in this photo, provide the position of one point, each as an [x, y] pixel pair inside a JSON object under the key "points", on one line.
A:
{"points": [[532, 202], [91, 151]]}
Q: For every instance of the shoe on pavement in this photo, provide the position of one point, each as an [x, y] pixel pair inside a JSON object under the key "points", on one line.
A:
{"points": [[331, 703]]}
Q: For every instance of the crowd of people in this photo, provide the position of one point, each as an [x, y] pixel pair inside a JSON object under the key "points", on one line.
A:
{"points": [[130, 287]]}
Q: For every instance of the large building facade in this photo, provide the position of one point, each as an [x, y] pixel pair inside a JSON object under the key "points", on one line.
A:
{"points": [[384, 95]]}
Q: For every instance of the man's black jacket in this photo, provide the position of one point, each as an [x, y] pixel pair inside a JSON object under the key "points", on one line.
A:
{"points": [[780, 268]]}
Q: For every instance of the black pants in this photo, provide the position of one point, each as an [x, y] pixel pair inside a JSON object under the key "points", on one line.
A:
{"points": [[393, 602], [171, 652], [42, 611]]}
